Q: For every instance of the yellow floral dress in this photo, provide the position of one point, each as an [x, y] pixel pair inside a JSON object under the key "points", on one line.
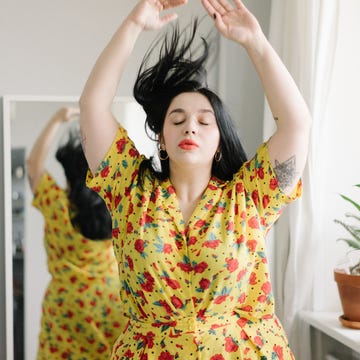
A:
{"points": [[199, 290], [81, 312]]}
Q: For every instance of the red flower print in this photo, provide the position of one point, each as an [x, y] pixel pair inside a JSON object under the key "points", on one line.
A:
{"points": [[265, 201], [211, 244], [133, 153], [139, 245], [115, 233], [247, 308], [166, 356], [258, 341], [129, 228], [204, 283], [200, 223], [273, 184], [242, 322], [240, 239], [220, 299], [212, 187], [174, 284], [108, 195], [242, 298], [232, 264], [266, 288], [253, 222], [105, 171], [230, 345], [255, 197], [200, 267], [279, 351], [171, 189], [167, 249], [130, 262], [239, 187], [96, 188], [129, 354], [260, 173], [120, 144], [252, 279], [145, 219], [220, 210], [148, 286], [185, 266], [230, 226], [241, 274], [178, 304], [251, 245], [261, 298], [243, 335], [192, 240], [217, 357], [118, 198]]}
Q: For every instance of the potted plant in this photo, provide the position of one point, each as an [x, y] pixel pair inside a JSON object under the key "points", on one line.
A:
{"points": [[347, 276]]}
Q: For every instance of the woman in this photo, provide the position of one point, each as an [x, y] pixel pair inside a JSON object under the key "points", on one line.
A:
{"points": [[81, 312], [192, 248]]}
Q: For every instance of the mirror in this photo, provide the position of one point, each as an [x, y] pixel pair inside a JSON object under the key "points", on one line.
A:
{"points": [[26, 268]]}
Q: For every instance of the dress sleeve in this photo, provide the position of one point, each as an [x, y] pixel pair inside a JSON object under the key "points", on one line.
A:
{"points": [[117, 171], [262, 188], [46, 193]]}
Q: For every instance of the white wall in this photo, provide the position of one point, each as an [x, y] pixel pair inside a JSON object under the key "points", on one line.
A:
{"points": [[49, 48], [341, 156]]}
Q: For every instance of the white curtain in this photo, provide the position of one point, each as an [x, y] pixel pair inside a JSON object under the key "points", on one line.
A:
{"points": [[304, 34]]}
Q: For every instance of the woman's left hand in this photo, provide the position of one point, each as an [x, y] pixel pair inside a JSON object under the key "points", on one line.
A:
{"points": [[235, 22]]}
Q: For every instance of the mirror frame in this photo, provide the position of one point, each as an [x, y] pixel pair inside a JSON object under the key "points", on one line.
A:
{"points": [[6, 251]]}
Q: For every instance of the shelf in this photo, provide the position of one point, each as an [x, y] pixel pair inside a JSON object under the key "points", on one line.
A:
{"points": [[329, 324]]}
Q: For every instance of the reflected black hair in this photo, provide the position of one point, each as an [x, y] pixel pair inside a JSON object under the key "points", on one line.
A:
{"points": [[178, 71], [89, 214]]}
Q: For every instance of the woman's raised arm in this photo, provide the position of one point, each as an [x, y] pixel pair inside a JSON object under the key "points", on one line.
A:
{"points": [[98, 126], [288, 146]]}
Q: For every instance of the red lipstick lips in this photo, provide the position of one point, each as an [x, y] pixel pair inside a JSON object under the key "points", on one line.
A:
{"points": [[188, 144]]}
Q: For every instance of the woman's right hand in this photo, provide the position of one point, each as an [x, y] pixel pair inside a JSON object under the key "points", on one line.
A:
{"points": [[147, 13], [67, 114]]}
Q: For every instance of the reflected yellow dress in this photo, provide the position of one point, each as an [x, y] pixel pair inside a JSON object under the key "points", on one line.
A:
{"points": [[199, 290], [81, 311]]}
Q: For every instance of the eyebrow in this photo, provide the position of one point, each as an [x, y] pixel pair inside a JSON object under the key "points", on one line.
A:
{"points": [[182, 111]]}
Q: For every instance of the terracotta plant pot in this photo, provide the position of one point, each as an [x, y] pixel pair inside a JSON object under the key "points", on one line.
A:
{"points": [[349, 292]]}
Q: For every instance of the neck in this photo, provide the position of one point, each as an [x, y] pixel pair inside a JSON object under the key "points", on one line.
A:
{"points": [[190, 185]]}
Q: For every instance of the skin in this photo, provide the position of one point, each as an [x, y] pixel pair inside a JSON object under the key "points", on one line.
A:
{"points": [[36, 160], [190, 116]]}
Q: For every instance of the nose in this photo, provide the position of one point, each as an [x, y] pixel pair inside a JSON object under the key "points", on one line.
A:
{"points": [[187, 132]]}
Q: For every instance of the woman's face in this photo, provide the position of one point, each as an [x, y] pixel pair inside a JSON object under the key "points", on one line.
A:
{"points": [[190, 134]]}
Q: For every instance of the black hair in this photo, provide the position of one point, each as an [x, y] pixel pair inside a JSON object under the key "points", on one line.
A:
{"points": [[89, 214], [176, 72]]}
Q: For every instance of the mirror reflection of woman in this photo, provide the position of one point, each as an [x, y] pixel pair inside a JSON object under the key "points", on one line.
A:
{"points": [[81, 311], [190, 235]]}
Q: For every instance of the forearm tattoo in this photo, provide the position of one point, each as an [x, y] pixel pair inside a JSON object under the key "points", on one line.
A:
{"points": [[285, 172]]}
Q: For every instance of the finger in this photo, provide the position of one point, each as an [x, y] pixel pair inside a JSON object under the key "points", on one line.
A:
{"points": [[217, 7], [208, 7], [239, 4], [226, 5], [167, 4], [168, 18]]}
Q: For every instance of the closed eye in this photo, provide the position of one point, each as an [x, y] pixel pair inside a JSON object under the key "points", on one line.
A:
{"points": [[178, 122]]}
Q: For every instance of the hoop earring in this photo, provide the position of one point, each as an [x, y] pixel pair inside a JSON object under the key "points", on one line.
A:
{"points": [[163, 157], [218, 155]]}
